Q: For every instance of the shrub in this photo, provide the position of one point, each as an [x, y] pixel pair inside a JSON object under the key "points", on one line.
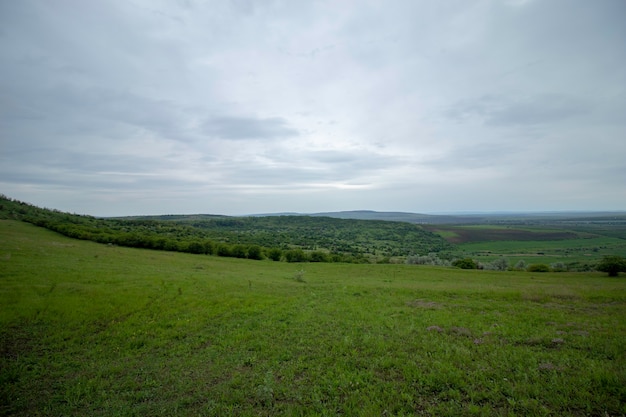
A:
{"points": [[558, 267], [295, 255], [466, 263], [521, 265], [223, 249], [318, 256], [195, 247], [239, 251], [500, 264], [613, 265], [299, 276], [275, 254], [538, 268], [430, 259], [254, 252]]}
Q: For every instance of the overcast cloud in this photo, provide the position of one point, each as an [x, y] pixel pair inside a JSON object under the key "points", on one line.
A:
{"points": [[249, 106]]}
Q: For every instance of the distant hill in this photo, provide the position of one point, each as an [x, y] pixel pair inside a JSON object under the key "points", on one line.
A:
{"points": [[559, 217], [396, 216], [393, 216]]}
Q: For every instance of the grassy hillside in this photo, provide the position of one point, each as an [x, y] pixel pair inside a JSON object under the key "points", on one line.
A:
{"points": [[319, 239], [91, 329]]}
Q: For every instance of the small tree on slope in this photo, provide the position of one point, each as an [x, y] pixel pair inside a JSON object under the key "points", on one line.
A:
{"points": [[613, 265]]}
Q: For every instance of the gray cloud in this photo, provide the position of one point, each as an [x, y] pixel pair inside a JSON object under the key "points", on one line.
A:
{"points": [[248, 128], [244, 106], [503, 111]]}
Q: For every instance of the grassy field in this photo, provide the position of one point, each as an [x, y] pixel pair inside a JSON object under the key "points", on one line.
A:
{"points": [[535, 244], [547, 251], [91, 329]]}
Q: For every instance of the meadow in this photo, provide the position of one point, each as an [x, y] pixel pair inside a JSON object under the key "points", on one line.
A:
{"points": [[103, 330], [574, 245]]}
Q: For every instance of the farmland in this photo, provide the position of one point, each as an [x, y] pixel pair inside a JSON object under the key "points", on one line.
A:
{"points": [[545, 243], [96, 329]]}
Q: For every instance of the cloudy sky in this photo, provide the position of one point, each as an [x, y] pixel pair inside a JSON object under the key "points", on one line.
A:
{"points": [[123, 107]]}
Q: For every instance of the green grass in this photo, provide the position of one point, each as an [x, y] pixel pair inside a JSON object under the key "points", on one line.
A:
{"points": [[89, 329], [546, 251], [534, 244]]}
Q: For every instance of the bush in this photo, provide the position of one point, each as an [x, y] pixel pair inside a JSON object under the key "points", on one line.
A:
{"points": [[521, 265], [430, 259], [275, 254], [318, 256], [500, 264], [613, 265], [239, 251], [295, 255], [195, 247], [299, 276], [558, 267], [254, 252], [466, 263], [538, 268], [223, 249]]}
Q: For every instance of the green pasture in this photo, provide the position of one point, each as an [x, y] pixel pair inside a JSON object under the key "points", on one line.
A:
{"points": [[547, 251], [98, 330]]}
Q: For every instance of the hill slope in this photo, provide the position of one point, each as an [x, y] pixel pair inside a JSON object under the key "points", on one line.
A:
{"points": [[332, 239], [96, 330]]}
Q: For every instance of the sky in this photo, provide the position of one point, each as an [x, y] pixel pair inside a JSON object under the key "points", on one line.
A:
{"points": [[130, 107]]}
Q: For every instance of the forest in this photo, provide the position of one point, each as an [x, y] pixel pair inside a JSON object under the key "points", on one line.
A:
{"points": [[286, 238]]}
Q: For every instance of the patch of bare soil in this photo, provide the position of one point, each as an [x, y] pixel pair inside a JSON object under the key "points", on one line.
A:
{"points": [[420, 303]]}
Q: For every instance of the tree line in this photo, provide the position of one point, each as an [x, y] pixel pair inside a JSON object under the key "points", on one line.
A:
{"points": [[282, 238]]}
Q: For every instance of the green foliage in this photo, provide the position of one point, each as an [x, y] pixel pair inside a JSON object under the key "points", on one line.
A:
{"points": [[239, 251], [224, 250], [538, 268], [613, 265], [275, 254], [255, 252], [465, 263], [296, 255], [318, 256], [347, 240], [196, 247]]}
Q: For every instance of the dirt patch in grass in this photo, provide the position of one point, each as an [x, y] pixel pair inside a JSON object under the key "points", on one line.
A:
{"points": [[435, 329], [460, 331], [420, 303], [15, 342]]}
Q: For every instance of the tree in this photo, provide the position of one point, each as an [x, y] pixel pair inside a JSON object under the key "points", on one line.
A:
{"points": [[613, 265], [239, 251], [318, 256], [275, 254], [538, 268], [466, 263], [521, 265], [254, 252], [195, 247], [295, 255], [500, 264]]}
